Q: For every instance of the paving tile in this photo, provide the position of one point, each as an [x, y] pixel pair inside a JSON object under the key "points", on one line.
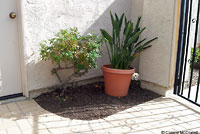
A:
{"points": [[138, 114], [36, 131], [12, 107], [3, 132], [171, 104], [189, 118], [7, 124], [107, 124], [23, 124], [85, 128], [56, 124], [36, 112], [38, 126], [137, 127], [30, 109], [125, 111], [140, 132], [14, 130], [96, 126], [115, 123], [149, 118], [26, 104], [178, 128], [3, 109], [185, 125], [63, 130], [49, 118], [127, 115], [100, 132], [158, 111], [155, 131], [74, 126], [43, 131], [121, 129]]}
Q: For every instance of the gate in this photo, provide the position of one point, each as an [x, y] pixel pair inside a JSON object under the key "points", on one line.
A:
{"points": [[187, 75]]}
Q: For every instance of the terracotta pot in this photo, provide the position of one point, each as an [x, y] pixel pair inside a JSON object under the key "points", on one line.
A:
{"points": [[117, 81]]}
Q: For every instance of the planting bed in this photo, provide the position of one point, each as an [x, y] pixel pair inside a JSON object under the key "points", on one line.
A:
{"points": [[89, 102]]}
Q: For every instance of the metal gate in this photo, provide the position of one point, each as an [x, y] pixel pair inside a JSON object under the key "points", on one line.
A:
{"points": [[187, 75]]}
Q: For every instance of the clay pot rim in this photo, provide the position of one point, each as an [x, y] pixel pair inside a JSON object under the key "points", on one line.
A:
{"points": [[107, 68]]}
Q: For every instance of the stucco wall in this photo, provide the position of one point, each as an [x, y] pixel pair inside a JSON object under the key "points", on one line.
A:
{"points": [[42, 18], [136, 11], [155, 63]]}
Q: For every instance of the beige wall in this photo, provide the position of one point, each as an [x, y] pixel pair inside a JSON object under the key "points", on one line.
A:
{"points": [[42, 18], [157, 63], [136, 11]]}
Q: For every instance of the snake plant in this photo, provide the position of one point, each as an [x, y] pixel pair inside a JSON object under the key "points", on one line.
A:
{"points": [[124, 45]]}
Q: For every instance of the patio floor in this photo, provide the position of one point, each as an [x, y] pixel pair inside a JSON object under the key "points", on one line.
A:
{"points": [[153, 117]]}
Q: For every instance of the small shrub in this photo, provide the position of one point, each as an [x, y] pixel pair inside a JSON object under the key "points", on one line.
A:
{"points": [[71, 49]]}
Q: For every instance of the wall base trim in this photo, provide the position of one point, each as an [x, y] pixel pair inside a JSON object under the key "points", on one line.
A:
{"points": [[37, 92], [157, 88]]}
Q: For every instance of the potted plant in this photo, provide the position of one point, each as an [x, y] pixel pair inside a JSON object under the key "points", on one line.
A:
{"points": [[123, 47], [68, 49]]}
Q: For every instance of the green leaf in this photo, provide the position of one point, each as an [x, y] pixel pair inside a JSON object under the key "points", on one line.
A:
{"points": [[116, 28], [106, 35], [135, 36], [140, 42], [138, 23], [148, 42], [123, 51], [117, 18], [112, 18], [121, 21], [128, 29]]}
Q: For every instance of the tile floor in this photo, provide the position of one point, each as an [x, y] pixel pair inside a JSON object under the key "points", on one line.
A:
{"points": [[153, 117]]}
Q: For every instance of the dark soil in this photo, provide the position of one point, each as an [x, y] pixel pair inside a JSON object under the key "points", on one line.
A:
{"points": [[89, 102]]}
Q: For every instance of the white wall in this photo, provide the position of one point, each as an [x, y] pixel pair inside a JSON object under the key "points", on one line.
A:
{"points": [[155, 64], [42, 18], [136, 11]]}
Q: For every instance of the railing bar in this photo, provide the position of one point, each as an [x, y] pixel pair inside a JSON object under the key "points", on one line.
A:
{"points": [[176, 82], [197, 93], [183, 44], [188, 36], [194, 50]]}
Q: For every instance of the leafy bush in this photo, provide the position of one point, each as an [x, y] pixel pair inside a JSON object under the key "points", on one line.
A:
{"points": [[69, 47], [197, 55], [123, 51]]}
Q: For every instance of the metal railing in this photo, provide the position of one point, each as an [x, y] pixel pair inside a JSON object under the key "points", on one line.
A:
{"points": [[187, 40]]}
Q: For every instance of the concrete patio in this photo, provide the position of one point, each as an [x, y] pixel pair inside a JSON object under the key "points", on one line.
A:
{"points": [[153, 117]]}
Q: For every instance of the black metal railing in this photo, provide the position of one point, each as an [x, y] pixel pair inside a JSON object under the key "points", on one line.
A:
{"points": [[188, 34]]}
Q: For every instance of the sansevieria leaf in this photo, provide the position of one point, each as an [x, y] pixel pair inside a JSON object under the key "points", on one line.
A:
{"points": [[124, 45], [106, 35]]}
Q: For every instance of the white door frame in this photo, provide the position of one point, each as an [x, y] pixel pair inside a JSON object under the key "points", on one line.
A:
{"points": [[20, 5]]}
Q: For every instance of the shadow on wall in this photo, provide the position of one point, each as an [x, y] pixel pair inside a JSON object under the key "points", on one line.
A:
{"points": [[104, 21], [39, 72]]}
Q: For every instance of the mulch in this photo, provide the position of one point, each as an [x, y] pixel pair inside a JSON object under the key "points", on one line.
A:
{"points": [[89, 102]]}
